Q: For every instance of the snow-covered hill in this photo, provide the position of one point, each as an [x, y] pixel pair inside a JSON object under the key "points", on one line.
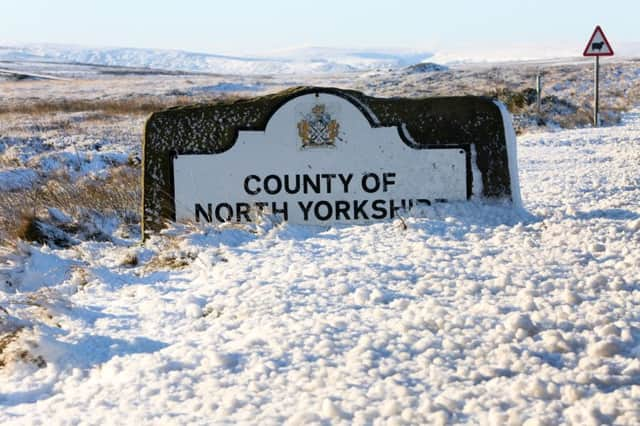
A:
{"points": [[299, 60], [305, 60]]}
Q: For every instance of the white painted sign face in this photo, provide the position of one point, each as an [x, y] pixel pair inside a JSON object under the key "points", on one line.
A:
{"points": [[318, 161], [598, 45]]}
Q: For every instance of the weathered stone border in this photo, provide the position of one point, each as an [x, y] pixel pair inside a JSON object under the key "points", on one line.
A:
{"points": [[422, 123]]}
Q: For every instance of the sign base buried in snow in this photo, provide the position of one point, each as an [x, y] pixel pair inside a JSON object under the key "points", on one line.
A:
{"points": [[321, 156]]}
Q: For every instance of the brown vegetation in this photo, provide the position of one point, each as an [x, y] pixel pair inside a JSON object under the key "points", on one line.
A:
{"points": [[23, 213], [137, 105], [10, 354], [5, 340]]}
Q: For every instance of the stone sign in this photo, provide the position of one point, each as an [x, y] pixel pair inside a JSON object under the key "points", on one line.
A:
{"points": [[320, 155]]}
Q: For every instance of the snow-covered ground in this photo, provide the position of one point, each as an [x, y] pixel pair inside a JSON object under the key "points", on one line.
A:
{"points": [[461, 313]]}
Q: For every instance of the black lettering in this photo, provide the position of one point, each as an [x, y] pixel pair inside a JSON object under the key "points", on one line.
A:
{"points": [[261, 205], [342, 208], [387, 180], [205, 214], [358, 209], [305, 209], [284, 210], [393, 209], [346, 181], [287, 184], [328, 208], [328, 178], [268, 189], [246, 185], [242, 211], [307, 182], [378, 206], [376, 182], [229, 214]]}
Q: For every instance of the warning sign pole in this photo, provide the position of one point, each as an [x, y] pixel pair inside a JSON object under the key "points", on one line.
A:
{"points": [[597, 46], [596, 98]]}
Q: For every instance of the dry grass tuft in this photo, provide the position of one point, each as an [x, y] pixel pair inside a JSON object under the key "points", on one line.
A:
{"points": [[29, 229], [6, 340], [572, 120], [24, 214], [9, 353], [130, 260], [171, 257], [170, 261]]}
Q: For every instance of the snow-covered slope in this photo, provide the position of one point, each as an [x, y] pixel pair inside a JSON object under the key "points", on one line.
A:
{"points": [[302, 60], [463, 313], [299, 60]]}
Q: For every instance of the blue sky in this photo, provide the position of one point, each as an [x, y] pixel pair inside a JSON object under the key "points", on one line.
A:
{"points": [[251, 27]]}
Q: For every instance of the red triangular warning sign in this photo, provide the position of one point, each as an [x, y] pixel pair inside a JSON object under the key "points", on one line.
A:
{"points": [[598, 44]]}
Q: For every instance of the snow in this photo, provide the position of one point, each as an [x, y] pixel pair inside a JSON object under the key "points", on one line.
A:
{"points": [[301, 60], [285, 61], [471, 312], [16, 177]]}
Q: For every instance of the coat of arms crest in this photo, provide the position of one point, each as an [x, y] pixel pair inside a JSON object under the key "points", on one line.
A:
{"points": [[317, 128]]}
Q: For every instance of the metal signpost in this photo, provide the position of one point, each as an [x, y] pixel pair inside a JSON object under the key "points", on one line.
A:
{"points": [[539, 92], [597, 46]]}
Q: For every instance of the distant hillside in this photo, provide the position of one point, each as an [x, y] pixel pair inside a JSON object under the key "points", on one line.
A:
{"points": [[303, 60], [290, 61]]}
